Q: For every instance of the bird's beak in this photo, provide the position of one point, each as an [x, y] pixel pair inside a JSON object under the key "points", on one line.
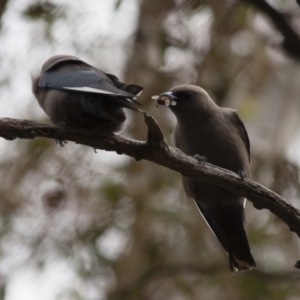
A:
{"points": [[166, 98]]}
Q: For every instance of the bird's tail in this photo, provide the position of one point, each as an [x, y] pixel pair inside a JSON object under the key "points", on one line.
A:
{"points": [[227, 223]]}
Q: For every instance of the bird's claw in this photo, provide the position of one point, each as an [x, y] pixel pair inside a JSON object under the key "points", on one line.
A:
{"points": [[61, 142], [200, 159], [242, 174]]}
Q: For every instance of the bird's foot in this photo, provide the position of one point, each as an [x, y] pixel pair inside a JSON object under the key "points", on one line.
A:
{"points": [[201, 159], [242, 174], [61, 142], [62, 124]]}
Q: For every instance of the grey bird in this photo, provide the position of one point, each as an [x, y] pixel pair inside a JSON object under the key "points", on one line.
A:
{"points": [[75, 94], [218, 135]]}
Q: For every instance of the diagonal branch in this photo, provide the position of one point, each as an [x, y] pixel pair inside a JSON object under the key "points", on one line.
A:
{"points": [[291, 39], [158, 151]]}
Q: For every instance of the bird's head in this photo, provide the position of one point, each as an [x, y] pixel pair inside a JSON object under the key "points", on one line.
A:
{"points": [[185, 96], [58, 59]]}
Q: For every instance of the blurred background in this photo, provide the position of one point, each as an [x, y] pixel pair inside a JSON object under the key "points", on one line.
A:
{"points": [[75, 224]]}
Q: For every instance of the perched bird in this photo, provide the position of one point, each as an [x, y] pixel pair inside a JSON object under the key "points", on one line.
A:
{"points": [[76, 94], [218, 135]]}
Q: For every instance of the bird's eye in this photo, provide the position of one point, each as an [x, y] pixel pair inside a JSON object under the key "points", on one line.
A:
{"points": [[185, 95]]}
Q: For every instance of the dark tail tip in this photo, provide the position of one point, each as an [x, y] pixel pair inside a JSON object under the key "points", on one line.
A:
{"points": [[238, 265]]}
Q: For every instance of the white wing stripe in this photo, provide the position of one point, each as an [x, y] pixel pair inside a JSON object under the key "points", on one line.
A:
{"points": [[90, 90]]}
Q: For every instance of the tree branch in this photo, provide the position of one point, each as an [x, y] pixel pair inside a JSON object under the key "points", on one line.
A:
{"points": [[3, 4], [291, 42], [156, 150]]}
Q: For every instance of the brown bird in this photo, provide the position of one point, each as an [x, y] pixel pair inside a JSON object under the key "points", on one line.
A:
{"points": [[218, 135], [73, 93]]}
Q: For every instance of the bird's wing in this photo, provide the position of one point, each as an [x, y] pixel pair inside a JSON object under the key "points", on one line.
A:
{"points": [[226, 221], [242, 131], [87, 81], [129, 88]]}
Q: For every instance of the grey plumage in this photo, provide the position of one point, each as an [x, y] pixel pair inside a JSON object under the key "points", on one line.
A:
{"points": [[73, 93], [218, 134]]}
